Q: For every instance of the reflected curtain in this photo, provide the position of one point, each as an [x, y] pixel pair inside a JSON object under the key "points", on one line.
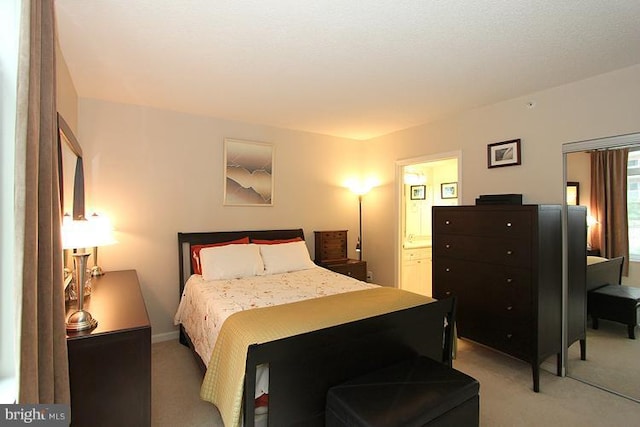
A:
{"points": [[609, 204], [44, 369]]}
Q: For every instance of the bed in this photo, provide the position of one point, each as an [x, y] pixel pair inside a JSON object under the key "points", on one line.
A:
{"points": [[302, 344]]}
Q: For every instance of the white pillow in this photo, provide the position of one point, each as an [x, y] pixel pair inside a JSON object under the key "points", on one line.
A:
{"points": [[285, 257], [231, 262]]}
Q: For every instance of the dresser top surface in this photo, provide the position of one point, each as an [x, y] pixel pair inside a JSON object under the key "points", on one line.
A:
{"points": [[116, 302]]}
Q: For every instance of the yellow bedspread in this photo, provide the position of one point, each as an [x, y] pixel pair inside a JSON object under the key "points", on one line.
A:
{"points": [[223, 382]]}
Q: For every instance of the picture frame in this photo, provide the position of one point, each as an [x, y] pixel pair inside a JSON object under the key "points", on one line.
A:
{"points": [[449, 190], [418, 192], [573, 193], [506, 153], [248, 173]]}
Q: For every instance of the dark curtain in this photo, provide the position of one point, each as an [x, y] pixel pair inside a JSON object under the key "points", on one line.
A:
{"points": [[44, 368], [609, 204]]}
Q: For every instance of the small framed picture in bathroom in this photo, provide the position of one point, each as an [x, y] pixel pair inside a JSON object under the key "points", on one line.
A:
{"points": [[449, 190], [418, 192]]}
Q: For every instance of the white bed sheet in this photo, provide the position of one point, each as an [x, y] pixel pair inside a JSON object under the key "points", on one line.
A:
{"points": [[205, 305]]}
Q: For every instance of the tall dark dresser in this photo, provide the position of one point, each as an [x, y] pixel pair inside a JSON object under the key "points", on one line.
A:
{"points": [[504, 265]]}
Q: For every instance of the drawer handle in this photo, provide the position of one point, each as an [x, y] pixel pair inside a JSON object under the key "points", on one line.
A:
{"points": [[510, 308], [509, 252], [509, 280], [447, 222], [447, 246], [349, 273], [509, 336], [447, 269], [448, 293], [508, 224]]}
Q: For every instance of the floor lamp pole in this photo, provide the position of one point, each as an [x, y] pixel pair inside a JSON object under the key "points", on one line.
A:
{"points": [[360, 223]]}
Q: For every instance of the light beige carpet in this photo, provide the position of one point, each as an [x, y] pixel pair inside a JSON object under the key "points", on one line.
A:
{"points": [[613, 360], [506, 396]]}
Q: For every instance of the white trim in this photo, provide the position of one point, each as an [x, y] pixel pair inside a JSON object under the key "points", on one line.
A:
{"points": [[10, 15], [617, 141], [399, 188], [167, 336]]}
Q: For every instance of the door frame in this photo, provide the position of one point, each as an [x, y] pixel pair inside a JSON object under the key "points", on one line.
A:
{"points": [[399, 179]]}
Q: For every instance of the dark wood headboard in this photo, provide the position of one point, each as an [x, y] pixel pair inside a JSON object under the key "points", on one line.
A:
{"points": [[186, 240]]}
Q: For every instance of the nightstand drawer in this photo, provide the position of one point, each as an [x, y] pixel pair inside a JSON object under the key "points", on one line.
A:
{"points": [[351, 268]]}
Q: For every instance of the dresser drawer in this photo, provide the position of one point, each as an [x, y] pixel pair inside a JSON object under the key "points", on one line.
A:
{"points": [[514, 339], [514, 252], [493, 223], [488, 277]]}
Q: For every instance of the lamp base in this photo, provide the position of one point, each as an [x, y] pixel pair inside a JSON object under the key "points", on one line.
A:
{"points": [[96, 271], [81, 320]]}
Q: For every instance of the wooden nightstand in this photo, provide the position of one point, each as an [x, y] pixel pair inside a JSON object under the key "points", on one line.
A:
{"points": [[331, 253], [110, 366], [351, 267]]}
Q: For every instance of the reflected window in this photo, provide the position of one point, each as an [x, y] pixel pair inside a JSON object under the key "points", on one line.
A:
{"points": [[633, 204]]}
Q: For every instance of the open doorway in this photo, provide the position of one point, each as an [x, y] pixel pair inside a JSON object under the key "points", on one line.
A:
{"points": [[422, 183]]}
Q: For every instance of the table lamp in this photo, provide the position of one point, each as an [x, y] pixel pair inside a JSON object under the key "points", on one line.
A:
{"points": [[79, 234], [103, 233]]}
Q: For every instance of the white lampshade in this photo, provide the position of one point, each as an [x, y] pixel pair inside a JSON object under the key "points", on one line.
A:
{"points": [[86, 233], [102, 229]]}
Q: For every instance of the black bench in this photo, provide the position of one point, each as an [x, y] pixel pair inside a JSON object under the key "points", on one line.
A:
{"points": [[416, 392], [619, 303]]}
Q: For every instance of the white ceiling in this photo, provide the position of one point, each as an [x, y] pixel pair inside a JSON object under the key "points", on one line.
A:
{"points": [[350, 68]]}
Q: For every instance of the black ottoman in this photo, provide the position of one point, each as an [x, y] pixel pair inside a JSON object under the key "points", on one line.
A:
{"points": [[618, 303], [418, 392]]}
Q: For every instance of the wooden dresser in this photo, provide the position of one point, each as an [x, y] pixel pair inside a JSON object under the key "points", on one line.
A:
{"points": [[331, 253], [504, 265], [110, 366]]}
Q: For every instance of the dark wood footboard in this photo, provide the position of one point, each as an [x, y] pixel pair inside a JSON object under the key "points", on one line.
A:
{"points": [[303, 367]]}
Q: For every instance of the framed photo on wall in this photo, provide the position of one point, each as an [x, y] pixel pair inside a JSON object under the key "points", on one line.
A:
{"points": [[505, 153], [418, 192], [248, 173], [449, 190]]}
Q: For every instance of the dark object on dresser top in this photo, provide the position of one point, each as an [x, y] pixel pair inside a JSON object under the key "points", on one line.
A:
{"points": [[499, 199], [415, 392]]}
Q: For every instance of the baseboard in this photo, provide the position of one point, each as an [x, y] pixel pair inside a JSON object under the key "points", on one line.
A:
{"points": [[168, 336]]}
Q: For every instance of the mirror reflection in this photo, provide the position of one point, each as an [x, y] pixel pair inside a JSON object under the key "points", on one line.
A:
{"points": [[609, 180], [70, 169]]}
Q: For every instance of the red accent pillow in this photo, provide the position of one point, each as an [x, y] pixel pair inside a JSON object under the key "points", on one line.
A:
{"points": [[195, 251], [276, 241]]}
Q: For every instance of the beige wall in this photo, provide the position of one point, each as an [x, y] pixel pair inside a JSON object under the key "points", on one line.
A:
{"points": [[601, 106], [159, 172], [66, 95], [156, 173]]}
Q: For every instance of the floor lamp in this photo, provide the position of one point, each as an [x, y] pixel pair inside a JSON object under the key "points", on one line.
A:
{"points": [[360, 191]]}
